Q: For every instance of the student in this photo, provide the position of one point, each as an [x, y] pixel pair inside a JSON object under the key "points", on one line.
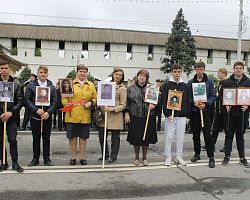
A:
{"points": [[39, 113], [13, 109], [200, 77], [238, 116], [175, 126]]}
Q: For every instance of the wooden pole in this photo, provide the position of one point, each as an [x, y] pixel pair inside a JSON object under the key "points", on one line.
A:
{"points": [[172, 116], [146, 126], [202, 120], [4, 134], [105, 136], [42, 124]]}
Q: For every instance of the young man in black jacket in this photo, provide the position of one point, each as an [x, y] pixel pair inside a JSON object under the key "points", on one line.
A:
{"points": [[238, 115], [177, 124], [196, 106], [39, 113], [10, 116]]}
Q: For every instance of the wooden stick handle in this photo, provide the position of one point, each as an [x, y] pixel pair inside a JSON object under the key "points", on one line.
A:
{"points": [[146, 126], [104, 141], [4, 134], [202, 120], [42, 124], [172, 116]]}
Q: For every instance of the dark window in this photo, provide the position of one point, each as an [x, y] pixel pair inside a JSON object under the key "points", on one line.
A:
{"points": [[129, 48], [61, 45], [209, 56], [13, 43], [107, 46], [38, 44], [85, 46], [150, 49], [228, 57]]}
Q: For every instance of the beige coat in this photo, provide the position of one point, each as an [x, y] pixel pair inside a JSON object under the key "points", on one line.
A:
{"points": [[115, 119]]}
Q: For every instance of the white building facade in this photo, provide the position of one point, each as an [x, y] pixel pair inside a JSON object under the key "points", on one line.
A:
{"points": [[61, 48]]}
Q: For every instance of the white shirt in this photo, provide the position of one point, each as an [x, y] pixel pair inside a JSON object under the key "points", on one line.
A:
{"points": [[43, 84]]}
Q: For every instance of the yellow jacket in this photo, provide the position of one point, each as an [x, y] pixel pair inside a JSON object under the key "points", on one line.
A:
{"points": [[80, 114]]}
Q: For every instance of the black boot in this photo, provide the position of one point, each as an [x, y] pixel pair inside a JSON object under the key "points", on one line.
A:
{"points": [[17, 167]]}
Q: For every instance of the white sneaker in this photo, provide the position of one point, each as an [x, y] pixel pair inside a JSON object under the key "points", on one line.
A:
{"points": [[180, 161], [168, 161]]}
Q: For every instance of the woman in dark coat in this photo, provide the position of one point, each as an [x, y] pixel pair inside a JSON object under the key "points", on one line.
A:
{"points": [[136, 115]]}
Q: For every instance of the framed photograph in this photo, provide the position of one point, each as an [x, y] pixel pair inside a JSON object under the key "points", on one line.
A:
{"points": [[106, 93], [199, 92], [229, 96], [66, 87], [243, 96], [174, 100], [6, 91], [151, 95], [42, 96]]}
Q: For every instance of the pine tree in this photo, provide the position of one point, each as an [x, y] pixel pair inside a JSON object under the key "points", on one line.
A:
{"points": [[180, 47], [72, 74], [24, 75]]}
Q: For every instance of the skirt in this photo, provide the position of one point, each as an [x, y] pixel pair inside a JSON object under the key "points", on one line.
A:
{"points": [[136, 131], [74, 130]]}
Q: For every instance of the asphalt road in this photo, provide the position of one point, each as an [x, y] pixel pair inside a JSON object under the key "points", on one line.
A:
{"points": [[123, 180]]}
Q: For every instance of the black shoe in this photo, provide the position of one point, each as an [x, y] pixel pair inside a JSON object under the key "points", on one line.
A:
{"points": [[83, 162], [100, 159], [225, 161], [72, 162], [4, 167], [195, 158], [111, 161], [222, 150], [60, 129], [211, 163], [17, 168], [54, 127], [33, 162], [21, 129], [47, 162], [243, 161]]}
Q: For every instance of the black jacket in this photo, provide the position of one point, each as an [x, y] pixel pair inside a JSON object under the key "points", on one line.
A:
{"points": [[17, 103], [30, 94], [231, 82], [185, 106]]}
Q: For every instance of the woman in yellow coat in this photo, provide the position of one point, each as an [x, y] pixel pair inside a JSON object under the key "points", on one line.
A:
{"points": [[78, 119]]}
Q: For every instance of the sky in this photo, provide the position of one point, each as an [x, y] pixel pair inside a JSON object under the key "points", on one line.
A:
{"points": [[218, 18]]}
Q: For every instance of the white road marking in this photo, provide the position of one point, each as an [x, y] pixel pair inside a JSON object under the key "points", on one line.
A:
{"points": [[111, 168]]}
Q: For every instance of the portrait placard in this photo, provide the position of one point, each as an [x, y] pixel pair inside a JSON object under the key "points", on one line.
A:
{"points": [[6, 91], [151, 95], [66, 87], [199, 92], [243, 96], [229, 96], [174, 100], [42, 96], [106, 93]]}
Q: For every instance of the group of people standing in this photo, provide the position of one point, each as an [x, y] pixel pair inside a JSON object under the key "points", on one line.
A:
{"points": [[130, 108]]}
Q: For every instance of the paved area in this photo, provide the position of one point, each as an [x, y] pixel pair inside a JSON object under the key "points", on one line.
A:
{"points": [[123, 180]]}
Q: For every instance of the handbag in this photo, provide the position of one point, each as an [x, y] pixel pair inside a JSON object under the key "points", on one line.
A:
{"points": [[98, 115]]}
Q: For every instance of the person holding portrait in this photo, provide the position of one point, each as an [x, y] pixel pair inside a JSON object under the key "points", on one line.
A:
{"points": [[78, 119]]}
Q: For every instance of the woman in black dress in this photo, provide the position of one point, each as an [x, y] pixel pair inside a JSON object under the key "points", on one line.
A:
{"points": [[136, 115]]}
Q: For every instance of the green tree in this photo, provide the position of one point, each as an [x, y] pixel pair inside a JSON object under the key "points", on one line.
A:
{"points": [[25, 74], [72, 74], [213, 78], [180, 47], [90, 77]]}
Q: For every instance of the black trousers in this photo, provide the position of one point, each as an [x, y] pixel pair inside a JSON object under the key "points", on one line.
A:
{"points": [[115, 142], [11, 135], [220, 122], [158, 122], [237, 125], [36, 133], [196, 125], [26, 118]]}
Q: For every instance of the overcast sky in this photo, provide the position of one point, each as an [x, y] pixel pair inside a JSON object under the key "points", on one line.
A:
{"points": [[218, 18]]}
